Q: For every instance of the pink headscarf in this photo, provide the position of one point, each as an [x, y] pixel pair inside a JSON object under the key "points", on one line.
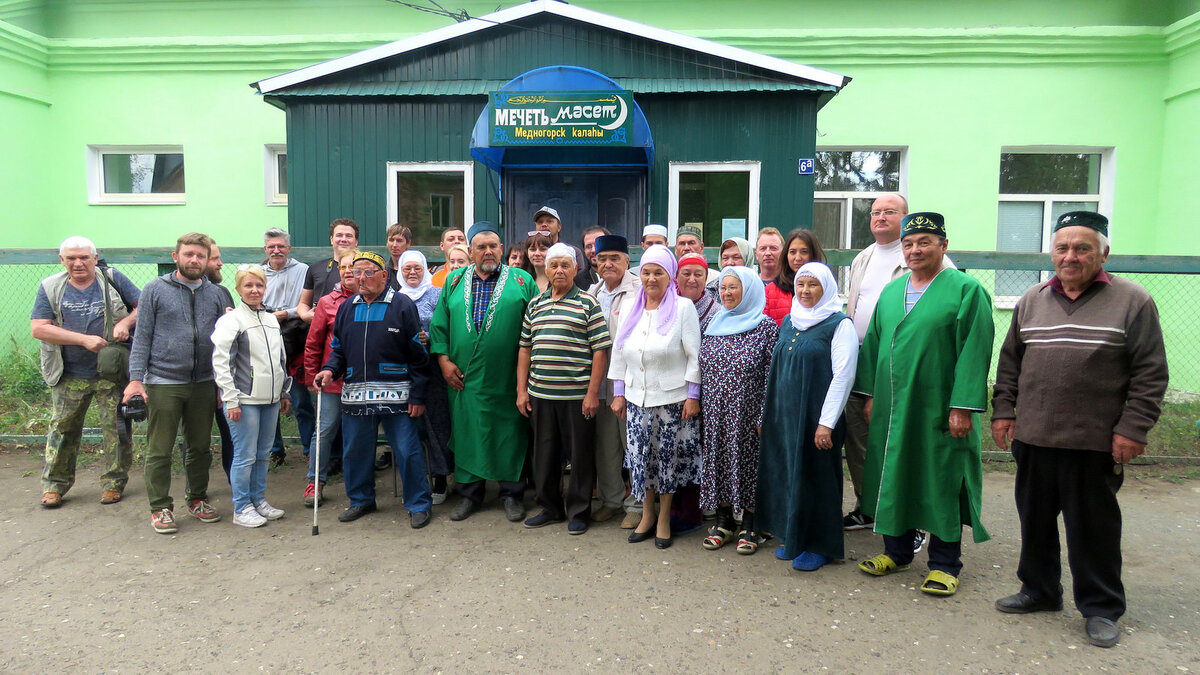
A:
{"points": [[655, 255]]}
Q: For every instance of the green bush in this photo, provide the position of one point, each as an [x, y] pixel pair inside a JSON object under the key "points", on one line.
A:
{"points": [[20, 377]]}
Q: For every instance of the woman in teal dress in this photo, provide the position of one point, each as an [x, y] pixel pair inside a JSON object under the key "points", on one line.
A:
{"points": [[800, 462]]}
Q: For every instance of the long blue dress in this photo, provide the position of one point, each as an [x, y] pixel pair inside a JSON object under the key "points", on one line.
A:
{"points": [[800, 485]]}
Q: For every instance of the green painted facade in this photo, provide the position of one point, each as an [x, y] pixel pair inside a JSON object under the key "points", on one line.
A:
{"points": [[952, 84]]}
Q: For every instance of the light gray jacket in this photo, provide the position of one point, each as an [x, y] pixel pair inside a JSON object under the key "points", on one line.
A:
{"points": [[248, 361]]}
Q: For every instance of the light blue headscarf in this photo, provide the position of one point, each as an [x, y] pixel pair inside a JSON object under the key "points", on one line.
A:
{"points": [[748, 313]]}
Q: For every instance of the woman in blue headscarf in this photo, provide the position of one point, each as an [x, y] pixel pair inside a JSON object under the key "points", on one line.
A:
{"points": [[800, 464], [735, 355]]}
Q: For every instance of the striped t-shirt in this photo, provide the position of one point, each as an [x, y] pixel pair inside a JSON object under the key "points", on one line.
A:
{"points": [[562, 336]]}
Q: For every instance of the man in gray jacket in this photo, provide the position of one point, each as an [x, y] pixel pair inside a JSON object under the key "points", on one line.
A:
{"points": [[616, 289], [170, 365]]}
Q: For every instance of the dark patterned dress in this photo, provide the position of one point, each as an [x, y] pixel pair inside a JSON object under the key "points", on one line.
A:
{"points": [[733, 379]]}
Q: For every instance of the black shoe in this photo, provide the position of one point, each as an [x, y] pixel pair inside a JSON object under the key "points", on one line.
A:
{"points": [[384, 461], [920, 538], [1023, 604], [543, 519], [277, 459], [660, 543], [857, 520], [419, 519], [1102, 632], [514, 510], [356, 512], [464, 509], [636, 537], [577, 527]]}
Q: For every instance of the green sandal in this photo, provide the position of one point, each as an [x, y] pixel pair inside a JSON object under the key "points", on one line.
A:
{"points": [[940, 583], [881, 565]]}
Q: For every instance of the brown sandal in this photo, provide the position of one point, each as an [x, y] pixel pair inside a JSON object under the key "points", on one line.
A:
{"points": [[52, 500]]}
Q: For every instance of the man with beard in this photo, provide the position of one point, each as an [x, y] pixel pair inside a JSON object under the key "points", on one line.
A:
{"points": [[170, 365], [474, 333]]}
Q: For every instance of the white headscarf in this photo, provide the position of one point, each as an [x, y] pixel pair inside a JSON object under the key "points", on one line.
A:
{"points": [[803, 317], [414, 292]]}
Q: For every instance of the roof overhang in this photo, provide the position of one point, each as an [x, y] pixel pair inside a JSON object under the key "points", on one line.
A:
{"points": [[521, 11]]}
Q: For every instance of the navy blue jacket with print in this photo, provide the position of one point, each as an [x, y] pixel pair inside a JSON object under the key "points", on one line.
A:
{"points": [[377, 348]]}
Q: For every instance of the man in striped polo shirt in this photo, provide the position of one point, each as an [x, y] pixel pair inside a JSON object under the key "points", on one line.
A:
{"points": [[560, 367]]}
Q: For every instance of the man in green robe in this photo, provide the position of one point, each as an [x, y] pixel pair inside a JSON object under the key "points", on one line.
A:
{"points": [[923, 368], [474, 333]]}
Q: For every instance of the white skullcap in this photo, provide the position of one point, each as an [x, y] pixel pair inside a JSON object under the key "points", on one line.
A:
{"points": [[660, 230], [560, 250]]}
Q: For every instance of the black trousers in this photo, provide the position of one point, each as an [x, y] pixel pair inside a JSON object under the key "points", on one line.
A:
{"points": [[475, 491], [560, 431], [1082, 485], [943, 555], [226, 440]]}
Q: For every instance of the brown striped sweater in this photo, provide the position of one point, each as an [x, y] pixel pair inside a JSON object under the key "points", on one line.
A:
{"points": [[1072, 374]]}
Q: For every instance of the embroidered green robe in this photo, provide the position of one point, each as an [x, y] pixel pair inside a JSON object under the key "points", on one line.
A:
{"points": [[488, 435], [917, 367]]}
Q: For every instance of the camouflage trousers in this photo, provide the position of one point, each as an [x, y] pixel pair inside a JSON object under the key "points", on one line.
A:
{"points": [[70, 399]]}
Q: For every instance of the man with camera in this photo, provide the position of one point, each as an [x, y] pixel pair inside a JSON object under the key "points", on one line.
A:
{"points": [[83, 320], [171, 367]]}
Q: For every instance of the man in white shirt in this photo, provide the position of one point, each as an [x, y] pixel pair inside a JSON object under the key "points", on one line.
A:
{"points": [[871, 270]]}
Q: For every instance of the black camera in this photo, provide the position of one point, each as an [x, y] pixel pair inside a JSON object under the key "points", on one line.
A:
{"points": [[133, 410]]}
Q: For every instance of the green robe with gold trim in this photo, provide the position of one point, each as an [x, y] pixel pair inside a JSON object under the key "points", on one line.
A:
{"points": [[488, 434], [917, 367]]}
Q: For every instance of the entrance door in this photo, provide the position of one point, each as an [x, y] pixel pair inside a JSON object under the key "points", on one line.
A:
{"points": [[583, 198]]}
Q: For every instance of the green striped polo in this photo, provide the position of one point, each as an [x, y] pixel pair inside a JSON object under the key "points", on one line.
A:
{"points": [[562, 335]]}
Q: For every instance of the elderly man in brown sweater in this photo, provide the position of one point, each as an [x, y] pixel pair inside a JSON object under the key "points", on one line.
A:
{"points": [[1079, 385]]}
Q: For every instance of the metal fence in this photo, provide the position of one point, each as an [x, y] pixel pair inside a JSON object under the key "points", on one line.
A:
{"points": [[1173, 281]]}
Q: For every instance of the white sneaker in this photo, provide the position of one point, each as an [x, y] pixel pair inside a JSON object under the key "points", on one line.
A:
{"points": [[248, 517], [267, 511]]}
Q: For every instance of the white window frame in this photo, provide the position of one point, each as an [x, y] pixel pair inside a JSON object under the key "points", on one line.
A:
{"points": [[752, 167], [1103, 198], [467, 169], [847, 197], [271, 153], [95, 175]]}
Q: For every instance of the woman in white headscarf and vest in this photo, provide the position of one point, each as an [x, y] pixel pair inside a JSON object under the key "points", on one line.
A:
{"points": [[417, 283], [800, 462]]}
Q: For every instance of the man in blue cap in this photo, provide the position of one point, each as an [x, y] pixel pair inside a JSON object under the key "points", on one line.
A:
{"points": [[923, 370], [474, 333], [1079, 385]]}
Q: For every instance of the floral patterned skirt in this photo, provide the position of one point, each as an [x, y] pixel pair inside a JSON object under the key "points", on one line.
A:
{"points": [[664, 451]]}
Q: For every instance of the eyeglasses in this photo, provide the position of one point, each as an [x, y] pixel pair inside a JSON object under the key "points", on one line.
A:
{"points": [[345, 268], [365, 273], [889, 213], [276, 247], [544, 233]]}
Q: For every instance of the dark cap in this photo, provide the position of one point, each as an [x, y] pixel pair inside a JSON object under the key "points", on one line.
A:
{"points": [[1083, 219], [611, 242], [482, 226], [923, 222]]}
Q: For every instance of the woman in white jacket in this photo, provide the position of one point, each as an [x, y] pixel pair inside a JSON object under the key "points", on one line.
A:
{"points": [[248, 364], [656, 381]]}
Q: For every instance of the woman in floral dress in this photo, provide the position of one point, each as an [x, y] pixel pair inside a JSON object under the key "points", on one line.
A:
{"points": [[735, 356]]}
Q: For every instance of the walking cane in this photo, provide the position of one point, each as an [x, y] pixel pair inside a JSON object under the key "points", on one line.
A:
{"points": [[317, 470]]}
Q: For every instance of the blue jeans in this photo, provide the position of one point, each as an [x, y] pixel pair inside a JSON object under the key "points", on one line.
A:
{"points": [[327, 431], [302, 405], [252, 436], [358, 458]]}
